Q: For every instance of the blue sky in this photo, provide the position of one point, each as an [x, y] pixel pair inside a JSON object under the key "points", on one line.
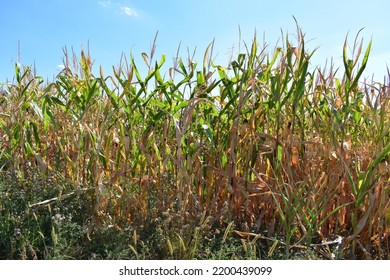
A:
{"points": [[44, 27]]}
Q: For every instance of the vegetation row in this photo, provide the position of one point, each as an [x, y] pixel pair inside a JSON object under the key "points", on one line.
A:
{"points": [[278, 157]]}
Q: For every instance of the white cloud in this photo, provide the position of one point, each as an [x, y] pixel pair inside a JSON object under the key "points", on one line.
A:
{"points": [[129, 11], [105, 4]]}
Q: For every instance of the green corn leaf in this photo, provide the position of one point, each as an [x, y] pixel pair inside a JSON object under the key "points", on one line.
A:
{"points": [[363, 66], [209, 134]]}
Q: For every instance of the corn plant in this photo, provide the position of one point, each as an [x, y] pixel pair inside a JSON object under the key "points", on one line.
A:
{"points": [[266, 142]]}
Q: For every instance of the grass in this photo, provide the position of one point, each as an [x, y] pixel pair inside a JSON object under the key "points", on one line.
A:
{"points": [[264, 159]]}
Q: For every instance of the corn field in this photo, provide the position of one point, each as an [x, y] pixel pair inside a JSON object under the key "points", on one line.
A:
{"points": [[269, 143]]}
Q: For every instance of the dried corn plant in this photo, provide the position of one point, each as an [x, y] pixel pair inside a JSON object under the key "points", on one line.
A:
{"points": [[266, 142]]}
